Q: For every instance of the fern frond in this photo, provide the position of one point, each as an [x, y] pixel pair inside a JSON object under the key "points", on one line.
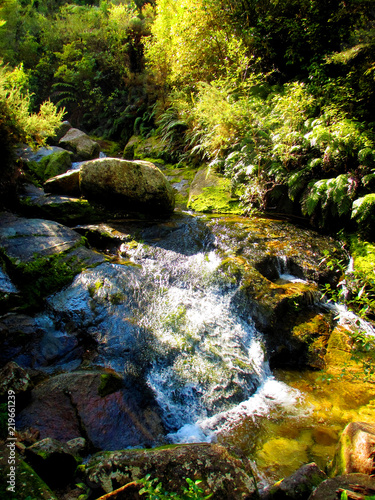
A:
{"points": [[364, 208]]}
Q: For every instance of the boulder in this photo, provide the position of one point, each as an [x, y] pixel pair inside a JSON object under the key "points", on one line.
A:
{"points": [[227, 477], [28, 154], [34, 202], [42, 255], [298, 486], [54, 164], [356, 450], [360, 485], [127, 186], [53, 461], [63, 128], [64, 184], [80, 144], [88, 404]]}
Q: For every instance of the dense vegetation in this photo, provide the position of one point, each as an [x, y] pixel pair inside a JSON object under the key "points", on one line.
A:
{"points": [[277, 96]]}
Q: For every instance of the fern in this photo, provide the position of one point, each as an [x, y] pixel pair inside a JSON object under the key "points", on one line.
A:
{"points": [[364, 208], [333, 195]]}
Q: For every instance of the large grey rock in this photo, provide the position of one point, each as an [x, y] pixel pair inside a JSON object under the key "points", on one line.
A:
{"points": [[80, 143], [227, 477], [129, 186]]}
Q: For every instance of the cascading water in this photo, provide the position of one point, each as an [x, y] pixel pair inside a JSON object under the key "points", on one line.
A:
{"points": [[169, 315]]}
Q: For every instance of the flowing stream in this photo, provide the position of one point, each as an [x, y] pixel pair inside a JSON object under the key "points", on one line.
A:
{"points": [[164, 308]]}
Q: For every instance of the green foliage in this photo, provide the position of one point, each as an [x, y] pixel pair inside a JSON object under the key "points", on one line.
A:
{"points": [[155, 491]]}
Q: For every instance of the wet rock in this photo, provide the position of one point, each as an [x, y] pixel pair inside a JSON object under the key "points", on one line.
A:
{"points": [[9, 294], [65, 184], [356, 450], [35, 343], [227, 477], [15, 378], [127, 186], [19, 334], [359, 484], [28, 482], [53, 461], [80, 143], [298, 486], [70, 405]]}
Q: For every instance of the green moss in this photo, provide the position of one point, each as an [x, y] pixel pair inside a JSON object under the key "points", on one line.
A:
{"points": [[216, 199], [109, 383], [363, 253]]}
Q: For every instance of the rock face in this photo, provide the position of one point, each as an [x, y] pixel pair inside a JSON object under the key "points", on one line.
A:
{"points": [[129, 186], [356, 450], [227, 477], [93, 406], [80, 143]]}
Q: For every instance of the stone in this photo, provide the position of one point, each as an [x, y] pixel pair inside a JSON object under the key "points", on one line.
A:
{"points": [[78, 446], [127, 186], [54, 164], [53, 461], [28, 154], [356, 450], [140, 148], [70, 405], [63, 128], [80, 144], [227, 477], [64, 184], [330, 489], [34, 202], [42, 255], [298, 486]]}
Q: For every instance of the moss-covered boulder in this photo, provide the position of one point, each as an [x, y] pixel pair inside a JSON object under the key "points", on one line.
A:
{"points": [[127, 186], [139, 148], [212, 193], [40, 255], [80, 144], [226, 476], [355, 451]]}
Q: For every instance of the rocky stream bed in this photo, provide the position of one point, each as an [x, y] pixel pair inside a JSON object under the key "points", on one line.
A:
{"points": [[176, 344]]}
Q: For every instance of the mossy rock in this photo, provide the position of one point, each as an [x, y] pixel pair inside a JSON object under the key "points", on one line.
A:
{"points": [[226, 476], [109, 383], [212, 193], [49, 166]]}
